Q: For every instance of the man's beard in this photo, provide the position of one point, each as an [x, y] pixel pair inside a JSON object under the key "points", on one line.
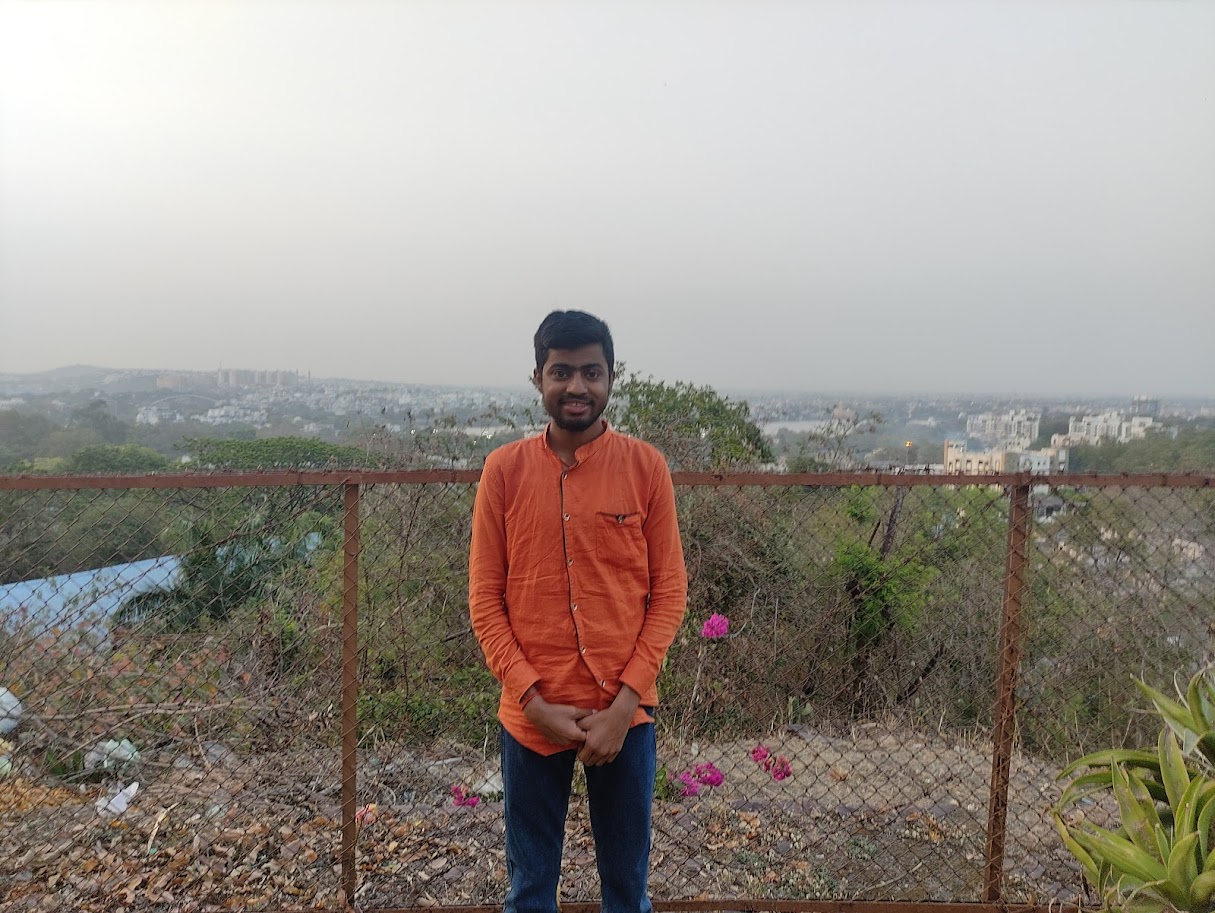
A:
{"points": [[575, 425]]}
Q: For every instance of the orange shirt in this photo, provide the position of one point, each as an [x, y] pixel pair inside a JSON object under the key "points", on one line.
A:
{"points": [[576, 576]]}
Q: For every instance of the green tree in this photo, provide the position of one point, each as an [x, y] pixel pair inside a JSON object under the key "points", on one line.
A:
{"points": [[695, 427], [1049, 425], [65, 442], [96, 417], [109, 458], [1192, 450], [836, 444], [225, 569], [60, 532], [274, 453], [21, 436]]}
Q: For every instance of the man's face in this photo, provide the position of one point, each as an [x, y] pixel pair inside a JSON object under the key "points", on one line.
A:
{"points": [[575, 385]]}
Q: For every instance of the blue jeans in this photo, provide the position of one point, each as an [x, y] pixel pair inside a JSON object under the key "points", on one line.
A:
{"points": [[536, 792]]}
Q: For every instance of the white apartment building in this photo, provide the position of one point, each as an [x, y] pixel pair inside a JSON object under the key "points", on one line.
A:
{"points": [[960, 461], [240, 377], [1111, 425], [1042, 462], [1016, 430]]}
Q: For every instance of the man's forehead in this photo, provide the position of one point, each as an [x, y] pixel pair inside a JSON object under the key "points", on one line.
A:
{"points": [[587, 356]]}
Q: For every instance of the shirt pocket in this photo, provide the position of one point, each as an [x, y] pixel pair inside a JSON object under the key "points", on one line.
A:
{"points": [[620, 541]]}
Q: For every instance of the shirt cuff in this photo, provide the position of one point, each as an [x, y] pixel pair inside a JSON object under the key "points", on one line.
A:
{"points": [[519, 680], [638, 677]]}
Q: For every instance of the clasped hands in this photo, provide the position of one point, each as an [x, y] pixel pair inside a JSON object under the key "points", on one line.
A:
{"points": [[600, 733]]}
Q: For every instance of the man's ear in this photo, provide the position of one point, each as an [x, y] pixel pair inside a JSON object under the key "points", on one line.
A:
{"points": [[536, 378]]}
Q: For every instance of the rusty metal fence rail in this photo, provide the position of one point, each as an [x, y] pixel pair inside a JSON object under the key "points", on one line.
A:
{"points": [[878, 681]]}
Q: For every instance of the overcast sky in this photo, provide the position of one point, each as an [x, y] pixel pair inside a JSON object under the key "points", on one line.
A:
{"points": [[896, 197]]}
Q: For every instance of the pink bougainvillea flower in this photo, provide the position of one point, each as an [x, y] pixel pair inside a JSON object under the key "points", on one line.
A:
{"points": [[759, 753], [460, 796], [708, 774], [716, 627], [782, 769], [689, 786]]}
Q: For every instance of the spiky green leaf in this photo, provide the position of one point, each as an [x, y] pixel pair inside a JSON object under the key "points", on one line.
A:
{"points": [[1202, 890], [1176, 715], [1183, 863], [1120, 852], [1091, 868], [1206, 817], [1134, 757], [1194, 702], [1186, 811], [1173, 771], [1138, 811]]}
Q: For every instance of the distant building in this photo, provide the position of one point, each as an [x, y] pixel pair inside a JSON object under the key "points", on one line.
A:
{"points": [[961, 461], [241, 377], [1145, 405], [1016, 430], [1042, 462], [1111, 425]]}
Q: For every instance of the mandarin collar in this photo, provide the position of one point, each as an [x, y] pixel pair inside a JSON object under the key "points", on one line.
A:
{"points": [[586, 451]]}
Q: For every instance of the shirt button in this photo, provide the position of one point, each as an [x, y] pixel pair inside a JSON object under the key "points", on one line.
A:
{"points": [[574, 606], [566, 517], [603, 684], [584, 649], [564, 475]]}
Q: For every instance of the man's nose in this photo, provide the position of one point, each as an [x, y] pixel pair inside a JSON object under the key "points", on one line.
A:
{"points": [[577, 384]]}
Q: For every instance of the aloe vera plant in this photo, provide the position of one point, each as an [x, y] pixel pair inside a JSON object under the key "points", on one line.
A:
{"points": [[1162, 857]]}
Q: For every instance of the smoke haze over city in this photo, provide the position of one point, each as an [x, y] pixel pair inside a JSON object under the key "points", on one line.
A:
{"points": [[915, 196]]}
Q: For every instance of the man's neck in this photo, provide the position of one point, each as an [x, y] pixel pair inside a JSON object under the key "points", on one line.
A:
{"points": [[566, 443]]}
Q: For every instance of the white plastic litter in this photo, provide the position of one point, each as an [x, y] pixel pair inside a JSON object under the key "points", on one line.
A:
{"points": [[119, 802], [110, 754], [10, 711]]}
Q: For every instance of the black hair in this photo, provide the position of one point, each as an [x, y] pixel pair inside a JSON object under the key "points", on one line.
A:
{"points": [[573, 330]]}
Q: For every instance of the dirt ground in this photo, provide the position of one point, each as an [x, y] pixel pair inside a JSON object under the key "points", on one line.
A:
{"points": [[873, 813]]}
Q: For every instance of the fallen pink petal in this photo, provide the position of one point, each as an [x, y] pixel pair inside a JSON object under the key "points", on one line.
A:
{"points": [[759, 753], [716, 626], [782, 770], [689, 785], [708, 774]]}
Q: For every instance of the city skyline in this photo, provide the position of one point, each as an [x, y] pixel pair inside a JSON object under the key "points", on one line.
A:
{"points": [[177, 378]]}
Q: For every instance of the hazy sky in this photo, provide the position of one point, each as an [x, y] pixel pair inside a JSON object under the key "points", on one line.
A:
{"points": [[904, 196]]}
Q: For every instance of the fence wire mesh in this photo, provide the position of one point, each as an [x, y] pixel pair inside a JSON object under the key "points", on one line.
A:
{"points": [[832, 740], [188, 641]]}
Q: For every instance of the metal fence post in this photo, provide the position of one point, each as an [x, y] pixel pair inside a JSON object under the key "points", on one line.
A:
{"points": [[1009, 661], [350, 685]]}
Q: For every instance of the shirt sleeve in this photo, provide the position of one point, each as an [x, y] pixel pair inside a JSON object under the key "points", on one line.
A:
{"points": [[668, 584], [488, 563]]}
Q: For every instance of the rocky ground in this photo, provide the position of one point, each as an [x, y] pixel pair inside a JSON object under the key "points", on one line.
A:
{"points": [[873, 813]]}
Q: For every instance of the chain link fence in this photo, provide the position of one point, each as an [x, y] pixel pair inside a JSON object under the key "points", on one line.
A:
{"points": [[877, 683]]}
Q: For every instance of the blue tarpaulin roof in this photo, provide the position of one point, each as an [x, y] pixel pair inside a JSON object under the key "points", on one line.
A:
{"points": [[86, 597]]}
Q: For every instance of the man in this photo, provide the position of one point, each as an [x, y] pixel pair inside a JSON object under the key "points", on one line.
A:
{"points": [[577, 587]]}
